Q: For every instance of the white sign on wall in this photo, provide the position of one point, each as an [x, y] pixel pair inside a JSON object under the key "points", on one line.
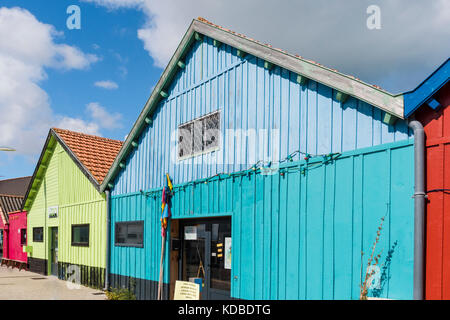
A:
{"points": [[52, 212], [190, 233]]}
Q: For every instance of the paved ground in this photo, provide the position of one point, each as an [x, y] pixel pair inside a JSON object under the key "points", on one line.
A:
{"points": [[24, 285]]}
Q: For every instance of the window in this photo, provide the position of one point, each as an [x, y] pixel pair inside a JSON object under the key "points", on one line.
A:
{"points": [[38, 234], [130, 234], [199, 136], [23, 237], [80, 235]]}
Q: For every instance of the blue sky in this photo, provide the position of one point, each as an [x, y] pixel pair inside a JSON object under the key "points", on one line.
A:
{"points": [[122, 59], [48, 72]]}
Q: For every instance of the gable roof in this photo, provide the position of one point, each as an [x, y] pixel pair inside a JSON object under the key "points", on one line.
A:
{"points": [[427, 89], [15, 186], [92, 154], [347, 85]]}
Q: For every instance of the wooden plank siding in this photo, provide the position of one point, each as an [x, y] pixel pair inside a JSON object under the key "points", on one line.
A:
{"points": [[295, 235], [437, 131], [249, 97]]}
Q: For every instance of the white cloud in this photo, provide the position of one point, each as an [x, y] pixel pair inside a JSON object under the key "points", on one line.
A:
{"points": [[98, 118], [78, 125], [107, 84], [414, 36], [104, 118], [27, 49]]}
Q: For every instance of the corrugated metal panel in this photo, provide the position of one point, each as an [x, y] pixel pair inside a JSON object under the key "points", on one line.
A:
{"points": [[64, 185], [295, 236], [249, 97], [437, 130]]}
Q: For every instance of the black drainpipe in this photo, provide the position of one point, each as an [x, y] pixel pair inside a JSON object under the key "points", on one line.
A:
{"points": [[419, 208]]}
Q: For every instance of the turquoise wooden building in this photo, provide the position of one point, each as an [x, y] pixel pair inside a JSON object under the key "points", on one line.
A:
{"points": [[282, 170]]}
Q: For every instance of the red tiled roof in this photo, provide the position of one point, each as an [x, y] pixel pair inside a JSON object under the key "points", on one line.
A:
{"points": [[280, 50], [96, 153]]}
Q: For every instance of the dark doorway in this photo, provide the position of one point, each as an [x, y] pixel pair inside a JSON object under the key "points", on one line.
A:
{"points": [[206, 256], [54, 251], [1, 243]]}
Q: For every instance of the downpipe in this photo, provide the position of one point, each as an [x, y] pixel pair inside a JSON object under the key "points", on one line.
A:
{"points": [[419, 209], [108, 237]]}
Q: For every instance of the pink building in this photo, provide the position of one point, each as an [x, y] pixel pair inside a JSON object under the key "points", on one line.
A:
{"points": [[13, 222]]}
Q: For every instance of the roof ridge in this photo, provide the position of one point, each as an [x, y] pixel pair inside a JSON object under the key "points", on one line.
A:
{"points": [[201, 19], [86, 134]]}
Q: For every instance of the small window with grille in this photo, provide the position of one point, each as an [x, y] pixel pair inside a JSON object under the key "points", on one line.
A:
{"points": [[199, 136]]}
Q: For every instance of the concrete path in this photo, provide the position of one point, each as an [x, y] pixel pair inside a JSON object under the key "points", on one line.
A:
{"points": [[25, 285]]}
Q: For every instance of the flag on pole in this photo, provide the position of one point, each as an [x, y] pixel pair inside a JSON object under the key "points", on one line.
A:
{"points": [[165, 205]]}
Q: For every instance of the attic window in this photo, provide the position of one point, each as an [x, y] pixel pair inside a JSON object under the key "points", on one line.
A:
{"points": [[199, 136]]}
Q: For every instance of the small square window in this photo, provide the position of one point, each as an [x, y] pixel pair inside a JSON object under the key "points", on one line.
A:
{"points": [[80, 235], [130, 234], [38, 234]]}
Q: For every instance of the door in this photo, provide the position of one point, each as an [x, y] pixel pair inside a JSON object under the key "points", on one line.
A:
{"points": [[54, 251], [206, 256]]}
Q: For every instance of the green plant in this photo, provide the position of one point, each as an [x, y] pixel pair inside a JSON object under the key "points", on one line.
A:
{"points": [[371, 263], [120, 294]]}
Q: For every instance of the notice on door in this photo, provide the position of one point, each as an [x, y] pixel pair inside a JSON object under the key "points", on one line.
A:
{"points": [[185, 290], [227, 262], [190, 233]]}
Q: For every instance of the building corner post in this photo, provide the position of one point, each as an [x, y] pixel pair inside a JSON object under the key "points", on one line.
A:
{"points": [[108, 237], [419, 209]]}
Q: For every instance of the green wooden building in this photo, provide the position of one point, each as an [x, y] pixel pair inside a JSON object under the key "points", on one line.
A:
{"points": [[66, 210]]}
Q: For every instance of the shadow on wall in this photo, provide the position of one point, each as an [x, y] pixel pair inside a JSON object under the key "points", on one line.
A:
{"points": [[385, 274]]}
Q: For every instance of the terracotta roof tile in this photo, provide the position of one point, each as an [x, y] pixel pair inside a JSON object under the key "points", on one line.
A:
{"points": [[96, 153]]}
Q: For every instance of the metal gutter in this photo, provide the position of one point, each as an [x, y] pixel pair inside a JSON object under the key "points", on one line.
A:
{"points": [[419, 209]]}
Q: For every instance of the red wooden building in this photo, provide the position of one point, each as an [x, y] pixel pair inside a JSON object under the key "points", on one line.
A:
{"points": [[430, 104]]}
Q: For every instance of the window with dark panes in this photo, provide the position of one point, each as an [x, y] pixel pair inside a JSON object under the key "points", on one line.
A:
{"points": [[23, 237], [129, 234], [199, 136], [38, 234], [80, 235]]}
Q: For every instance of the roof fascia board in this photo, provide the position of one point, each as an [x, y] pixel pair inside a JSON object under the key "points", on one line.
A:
{"points": [[36, 169], [381, 99], [354, 87], [152, 102], [424, 91]]}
